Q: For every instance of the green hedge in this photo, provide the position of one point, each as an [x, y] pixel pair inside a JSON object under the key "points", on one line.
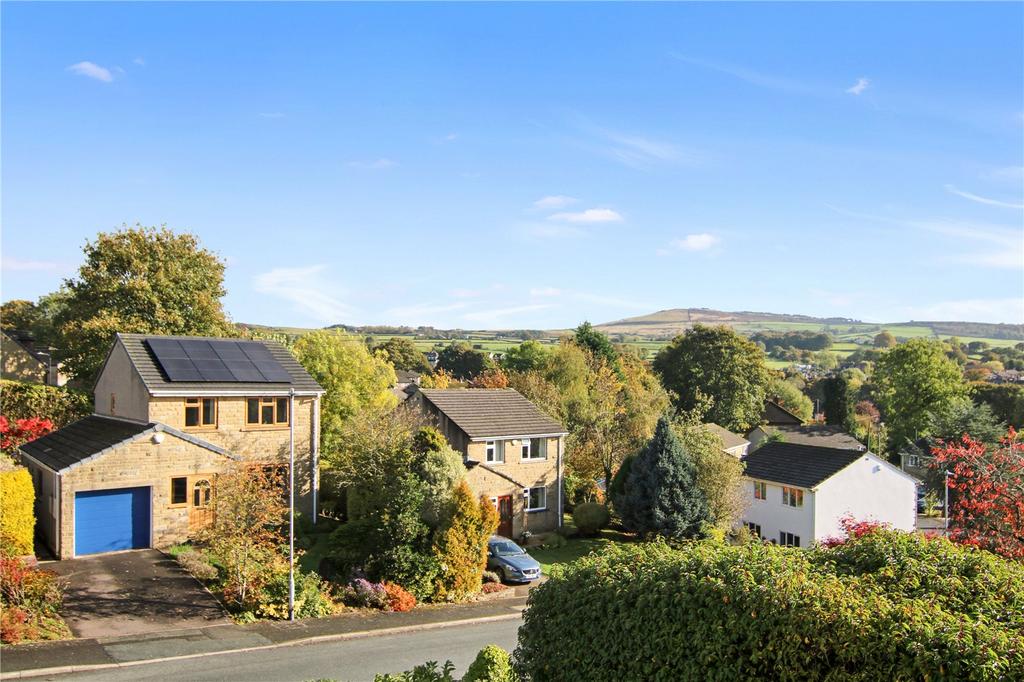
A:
{"points": [[59, 404], [716, 612], [17, 511]]}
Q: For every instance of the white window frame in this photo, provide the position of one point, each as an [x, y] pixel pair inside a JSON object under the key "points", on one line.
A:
{"points": [[492, 450], [530, 496], [763, 488], [792, 497], [525, 448], [527, 453]]}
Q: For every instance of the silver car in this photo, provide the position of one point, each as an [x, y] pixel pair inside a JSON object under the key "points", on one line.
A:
{"points": [[511, 561]]}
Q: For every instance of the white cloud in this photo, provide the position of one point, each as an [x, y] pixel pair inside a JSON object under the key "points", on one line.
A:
{"points": [[139, 61], [451, 137], [16, 265], [306, 288], [91, 70], [591, 215], [860, 86], [749, 75], [466, 293], [982, 200], [554, 201], [1007, 310], [545, 291], [638, 151], [377, 164], [498, 313], [691, 242]]}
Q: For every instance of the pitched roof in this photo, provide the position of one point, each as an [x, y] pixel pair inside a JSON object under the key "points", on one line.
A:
{"points": [[804, 466], [155, 381], [492, 412], [729, 439], [825, 435], [93, 436], [776, 414], [25, 342]]}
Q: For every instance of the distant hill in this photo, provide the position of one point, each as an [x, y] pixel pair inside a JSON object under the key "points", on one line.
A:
{"points": [[669, 323]]}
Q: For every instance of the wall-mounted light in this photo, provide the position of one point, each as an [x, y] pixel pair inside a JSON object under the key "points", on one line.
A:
{"points": [[158, 437]]}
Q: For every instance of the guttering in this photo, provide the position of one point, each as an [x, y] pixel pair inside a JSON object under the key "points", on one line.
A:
{"points": [[196, 393], [481, 439]]}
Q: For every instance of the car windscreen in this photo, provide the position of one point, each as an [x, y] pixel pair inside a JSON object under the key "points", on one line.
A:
{"points": [[505, 548]]}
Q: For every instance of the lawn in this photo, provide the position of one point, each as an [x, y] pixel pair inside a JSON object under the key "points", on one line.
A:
{"points": [[576, 548]]}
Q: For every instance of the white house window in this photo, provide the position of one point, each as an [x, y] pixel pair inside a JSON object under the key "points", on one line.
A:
{"points": [[538, 499], [534, 448], [526, 448], [913, 461], [495, 451], [788, 539], [792, 497], [754, 528], [760, 490]]}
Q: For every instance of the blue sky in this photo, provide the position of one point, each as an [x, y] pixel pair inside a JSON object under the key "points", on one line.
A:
{"points": [[530, 165]]}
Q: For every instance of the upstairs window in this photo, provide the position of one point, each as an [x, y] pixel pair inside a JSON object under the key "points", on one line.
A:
{"points": [[535, 448], [494, 451], [760, 490], [200, 413], [266, 411], [792, 497]]}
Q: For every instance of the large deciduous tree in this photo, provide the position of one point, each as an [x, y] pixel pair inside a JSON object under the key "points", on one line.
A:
{"points": [[987, 508], [143, 280], [526, 357], [792, 398], [353, 379], [403, 354], [716, 362], [661, 494], [594, 341], [461, 361], [912, 381]]}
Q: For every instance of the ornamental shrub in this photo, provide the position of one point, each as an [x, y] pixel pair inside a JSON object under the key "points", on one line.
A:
{"points": [[30, 601], [461, 547], [710, 611], [59, 404], [427, 672], [362, 593], [399, 598], [589, 518], [492, 664], [312, 599], [17, 511]]}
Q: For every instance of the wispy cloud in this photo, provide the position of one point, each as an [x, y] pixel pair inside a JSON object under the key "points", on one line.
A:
{"points": [[692, 242], [307, 289], [1009, 310], [271, 114], [451, 137], [377, 164], [751, 76], [590, 215], [982, 200], [1008, 174], [418, 312], [91, 70], [638, 151], [545, 291], [499, 313], [860, 86], [466, 293], [554, 201], [139, 61], [17, 265]]}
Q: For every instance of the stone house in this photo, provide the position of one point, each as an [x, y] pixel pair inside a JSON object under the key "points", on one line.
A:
{"points": [[23, 360], [170, 414], [513, 452]]}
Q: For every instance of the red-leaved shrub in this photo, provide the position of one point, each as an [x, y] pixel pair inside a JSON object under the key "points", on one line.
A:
{"points": [[852, 529], [399, 598]]}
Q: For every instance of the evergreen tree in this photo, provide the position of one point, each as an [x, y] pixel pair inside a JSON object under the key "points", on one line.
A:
{"points": [[661, 493], [839, 399]]}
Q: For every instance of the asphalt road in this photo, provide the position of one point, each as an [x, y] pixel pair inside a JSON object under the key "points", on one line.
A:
{"points": [[355, 660]]}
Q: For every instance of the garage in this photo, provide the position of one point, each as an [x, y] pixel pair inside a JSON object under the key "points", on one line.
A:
{"points": [[111, 520]]}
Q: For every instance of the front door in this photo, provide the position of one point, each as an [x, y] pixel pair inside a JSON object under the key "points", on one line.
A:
{"points": [[200, 513], [505, 516]]}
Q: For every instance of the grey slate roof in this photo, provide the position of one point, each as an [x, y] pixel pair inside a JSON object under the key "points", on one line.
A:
{"points": [[804, 466], [154, 379], [776, 414], [824, 435], [492, 412], [729, 439], [93, 435]]}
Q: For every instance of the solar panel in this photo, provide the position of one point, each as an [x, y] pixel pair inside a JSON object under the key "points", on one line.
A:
{"points": [[222, 360]]}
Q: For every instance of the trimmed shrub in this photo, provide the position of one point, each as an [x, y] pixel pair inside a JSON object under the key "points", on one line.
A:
{"points": [[399, 598], [492, 664], [17, 511], [717, 612], [590, 517], [59, 404], [362, 593], [461, 547], [312, 599]]}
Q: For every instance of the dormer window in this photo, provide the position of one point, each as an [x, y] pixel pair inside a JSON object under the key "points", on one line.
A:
{"points": [[266, 412], [200, 413]]}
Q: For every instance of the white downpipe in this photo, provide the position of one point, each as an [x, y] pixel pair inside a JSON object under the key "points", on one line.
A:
{"points": [[559, 477], [315, 440], [291, 505]]}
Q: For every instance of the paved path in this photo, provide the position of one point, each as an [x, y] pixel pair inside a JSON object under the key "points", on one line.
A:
{"points": [[355, 660], [131, 593]]}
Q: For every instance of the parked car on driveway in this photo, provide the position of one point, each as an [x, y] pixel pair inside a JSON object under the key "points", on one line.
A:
{"points": [[511, 561]]}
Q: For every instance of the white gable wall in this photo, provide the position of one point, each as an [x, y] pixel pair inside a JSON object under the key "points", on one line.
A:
{"points": [[775, 517], [868, 489]]}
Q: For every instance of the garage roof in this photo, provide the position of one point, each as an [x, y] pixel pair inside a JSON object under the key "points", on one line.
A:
{"points": [[90, 437]]}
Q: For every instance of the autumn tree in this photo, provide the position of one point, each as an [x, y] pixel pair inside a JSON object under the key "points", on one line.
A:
{"points": [[494, 377], [353, 379], [143, 280], [792, 398], [19, 314], [461, 361], [403, 354], [716, 362], [884, 339], [912, 381], [987, 507]]}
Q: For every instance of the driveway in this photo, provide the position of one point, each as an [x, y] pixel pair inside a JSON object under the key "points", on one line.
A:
{"points": [[134, 592]]}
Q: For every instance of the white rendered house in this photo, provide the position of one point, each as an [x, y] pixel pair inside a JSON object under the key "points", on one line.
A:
{"points": [[797, 494]]}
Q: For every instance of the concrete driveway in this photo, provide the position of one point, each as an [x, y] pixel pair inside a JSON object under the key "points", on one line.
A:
{"points": [[134, 592]]}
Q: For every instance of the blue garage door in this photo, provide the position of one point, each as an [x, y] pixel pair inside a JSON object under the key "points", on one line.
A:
{"points": [[109, 520]]}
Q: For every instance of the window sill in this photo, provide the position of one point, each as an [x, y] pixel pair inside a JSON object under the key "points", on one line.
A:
{"points": [[529, 460], [268, 427], [493, 463], [199, 429], [538, 509]]}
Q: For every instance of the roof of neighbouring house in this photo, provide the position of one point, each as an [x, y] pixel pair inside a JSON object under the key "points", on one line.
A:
{"points": [[805, 466], [729, 439], [93, 436], [155, 380], [492, 412], [24, 341], [825, 435], [776, 414]]}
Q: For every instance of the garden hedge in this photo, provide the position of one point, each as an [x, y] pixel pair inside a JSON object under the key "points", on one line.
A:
{"points": [[59, 404], [710, 611], [17, 511]]}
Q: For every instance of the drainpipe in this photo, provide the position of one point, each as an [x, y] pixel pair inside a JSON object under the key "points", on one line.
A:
{"points": [[558, 476], [314, 439], [291, 504]]}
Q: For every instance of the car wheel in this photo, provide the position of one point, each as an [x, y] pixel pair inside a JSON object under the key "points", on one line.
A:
{"points": [[504, 575]]}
